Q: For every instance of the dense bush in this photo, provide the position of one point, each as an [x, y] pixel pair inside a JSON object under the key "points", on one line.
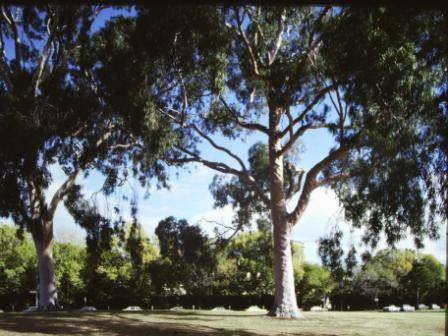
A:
{"points": [[238, 274]]}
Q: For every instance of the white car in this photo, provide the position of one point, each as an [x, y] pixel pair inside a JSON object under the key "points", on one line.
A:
{"points": [[87, 309], [422, 306], [30, 309], [132, 308], [407, 308], [318, 309], [435, 306], [391, 308]]}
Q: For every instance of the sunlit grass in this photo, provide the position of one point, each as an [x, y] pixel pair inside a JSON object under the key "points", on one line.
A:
{"points": [[155, 323]]}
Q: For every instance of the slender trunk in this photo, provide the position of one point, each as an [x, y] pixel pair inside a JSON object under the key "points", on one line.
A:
{"points": [[285, 301], [48, 298]]}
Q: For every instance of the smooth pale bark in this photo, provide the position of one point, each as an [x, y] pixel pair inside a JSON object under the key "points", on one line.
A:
{"points": [[48, 298], [285, 301]]}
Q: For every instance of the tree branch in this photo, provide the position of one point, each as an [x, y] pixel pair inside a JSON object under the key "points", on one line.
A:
{"points": [[12, 22], [295, 176], [307, 109], [252, 53], [255, 21], [314, 43], [223, 168], [236, 119], [5, 71], [207, 138], [273, 53], [332, 178], [297, 135], [311, 183], [221, 148], [84, 159], [43, 61]]}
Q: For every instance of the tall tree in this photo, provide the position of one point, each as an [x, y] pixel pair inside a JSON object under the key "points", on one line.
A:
{"points": [[52, 112], [281, 73], [39, 122]]}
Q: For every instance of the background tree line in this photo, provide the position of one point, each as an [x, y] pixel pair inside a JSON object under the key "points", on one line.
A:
{"points": [[182, 266]]}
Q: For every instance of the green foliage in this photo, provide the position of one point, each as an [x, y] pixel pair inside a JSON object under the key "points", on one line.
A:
{"points": [[392, 73], [245, 264], [17, 266], [119, 272], [242, 267], [380, 276], [425, 282], [187, 262], [69, 262], [315, 284], [342, 269]]}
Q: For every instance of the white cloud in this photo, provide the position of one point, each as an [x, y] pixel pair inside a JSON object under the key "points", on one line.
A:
{"points": [[322, 212]]}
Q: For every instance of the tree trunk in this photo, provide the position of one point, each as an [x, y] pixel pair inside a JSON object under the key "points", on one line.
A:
{"points": [[48, 298], [285, 301]]}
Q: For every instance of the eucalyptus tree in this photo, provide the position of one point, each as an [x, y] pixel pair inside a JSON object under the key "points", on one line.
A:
{"points": [[38, 121], [52, 112], [284, 72], [262, 60]]}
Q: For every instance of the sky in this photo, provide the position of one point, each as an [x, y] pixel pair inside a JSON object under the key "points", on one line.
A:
{"points": [[188, 196]]}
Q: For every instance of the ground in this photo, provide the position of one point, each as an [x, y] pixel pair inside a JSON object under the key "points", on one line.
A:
{"points": [[155, 323]]}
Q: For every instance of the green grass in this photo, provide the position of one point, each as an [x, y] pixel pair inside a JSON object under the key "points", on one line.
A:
{"points": [[222, 323]]}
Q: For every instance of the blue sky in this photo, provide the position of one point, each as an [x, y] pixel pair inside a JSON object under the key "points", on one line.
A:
{"points": [[190, 198]]}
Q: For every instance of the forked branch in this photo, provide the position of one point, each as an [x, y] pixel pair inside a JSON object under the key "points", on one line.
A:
{"points": [[311, 183]]}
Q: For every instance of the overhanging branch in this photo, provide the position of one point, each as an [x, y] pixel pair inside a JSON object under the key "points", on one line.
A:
{"points": [[225, 169]]}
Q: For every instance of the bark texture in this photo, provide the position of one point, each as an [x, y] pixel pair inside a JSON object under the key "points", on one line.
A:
{"points": [[285, 301], [48, 298]]}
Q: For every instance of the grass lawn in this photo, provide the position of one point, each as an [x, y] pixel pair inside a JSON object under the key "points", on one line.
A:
{"points": [[189, 322]]}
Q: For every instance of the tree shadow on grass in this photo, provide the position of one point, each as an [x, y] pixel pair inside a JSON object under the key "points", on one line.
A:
{"points": [[114, 325], [202, 313]]}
